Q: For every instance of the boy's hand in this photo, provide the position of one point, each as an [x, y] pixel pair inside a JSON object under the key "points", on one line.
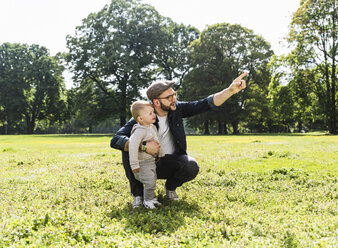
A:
{"points": [[136, 170]]}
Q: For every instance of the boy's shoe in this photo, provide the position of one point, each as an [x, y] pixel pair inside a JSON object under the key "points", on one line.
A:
{"points": [[156, 202], [137, 201], [171, 195], [149, 204]]}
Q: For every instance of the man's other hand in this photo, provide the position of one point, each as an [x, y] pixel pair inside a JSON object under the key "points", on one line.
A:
{"points": [[153, 147]]}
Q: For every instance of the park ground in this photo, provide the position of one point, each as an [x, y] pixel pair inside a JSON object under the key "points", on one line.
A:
{"points": [[252, 191]]}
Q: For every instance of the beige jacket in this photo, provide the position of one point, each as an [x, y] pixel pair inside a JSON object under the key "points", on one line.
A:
{"points": [[139, 134]]}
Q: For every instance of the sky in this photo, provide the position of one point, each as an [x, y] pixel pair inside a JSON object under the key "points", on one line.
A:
{"points": [[48, 22]]}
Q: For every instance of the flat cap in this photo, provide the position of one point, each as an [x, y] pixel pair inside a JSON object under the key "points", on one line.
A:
{"points": [[157, 88]]}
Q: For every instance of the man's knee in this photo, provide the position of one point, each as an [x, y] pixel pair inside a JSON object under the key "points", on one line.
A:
{"points": [[192, 168]]}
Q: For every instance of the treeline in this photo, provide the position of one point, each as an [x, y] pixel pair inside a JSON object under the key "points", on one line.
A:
{"points": [[117, 52]]}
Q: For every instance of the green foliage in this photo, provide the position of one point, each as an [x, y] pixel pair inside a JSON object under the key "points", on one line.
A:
{"points": [[251, 191], [31, 85], [297, 100], [283, 105], [220, 54], [89, 105], [313, 35], [172, 56], [113, 48], [119, 49]]}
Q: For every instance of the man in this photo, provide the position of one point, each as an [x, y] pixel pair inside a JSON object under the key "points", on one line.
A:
{"points": [[176, 166]]}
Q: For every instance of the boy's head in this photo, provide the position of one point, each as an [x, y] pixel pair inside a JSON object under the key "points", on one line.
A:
{"points": [[143, 112]]}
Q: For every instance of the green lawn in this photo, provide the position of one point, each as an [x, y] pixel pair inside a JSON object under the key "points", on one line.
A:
{"points": [[252, 191]]}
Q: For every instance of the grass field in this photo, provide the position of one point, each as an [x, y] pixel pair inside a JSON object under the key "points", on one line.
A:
{"points": [[252, 191]]}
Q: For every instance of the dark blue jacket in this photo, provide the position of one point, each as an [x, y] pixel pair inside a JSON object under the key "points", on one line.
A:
{"points": [[175, 118]]}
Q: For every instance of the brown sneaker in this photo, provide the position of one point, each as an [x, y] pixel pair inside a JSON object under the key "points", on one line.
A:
{"points": [[171, 195]]}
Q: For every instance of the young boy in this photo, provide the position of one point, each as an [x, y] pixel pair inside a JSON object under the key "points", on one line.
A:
{"points": [[141, 163]]}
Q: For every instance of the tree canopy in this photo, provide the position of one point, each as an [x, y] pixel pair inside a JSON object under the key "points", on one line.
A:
{"points": [[31, 85], [122, 47], [221, 53], [118, 51], [313, 35]]}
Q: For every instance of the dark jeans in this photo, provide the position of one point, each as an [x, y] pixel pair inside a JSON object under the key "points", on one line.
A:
{"points": [[177, 169]]}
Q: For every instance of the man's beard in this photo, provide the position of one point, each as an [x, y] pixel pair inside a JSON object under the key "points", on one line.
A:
{"points": [[164, 107]]}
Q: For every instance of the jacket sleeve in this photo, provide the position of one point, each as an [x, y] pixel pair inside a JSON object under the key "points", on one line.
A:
{"points": [[197, 107], [122, 136], [134, 144]]}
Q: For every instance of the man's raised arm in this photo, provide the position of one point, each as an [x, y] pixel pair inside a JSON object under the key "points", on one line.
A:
{"points": [[237, 85]]}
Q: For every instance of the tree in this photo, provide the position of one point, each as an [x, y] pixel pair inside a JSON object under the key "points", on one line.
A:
{"points": [[172, 57], [308, 108], [220, 54], [282, 105], [115, 49], [90, 105], [31, 85], [314, 36]]}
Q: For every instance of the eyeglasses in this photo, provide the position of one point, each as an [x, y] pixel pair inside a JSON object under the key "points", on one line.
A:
{"points": [[170, 97]]}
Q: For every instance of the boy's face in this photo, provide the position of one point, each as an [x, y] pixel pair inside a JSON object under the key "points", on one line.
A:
{"points": [[147, 116]]}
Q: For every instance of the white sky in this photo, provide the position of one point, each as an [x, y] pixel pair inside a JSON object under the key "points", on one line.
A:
{"points": [[47, 22]]}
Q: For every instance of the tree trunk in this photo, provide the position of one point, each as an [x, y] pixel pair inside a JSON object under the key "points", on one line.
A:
{"points": [[122, 120], [333, 77], [30, 125], [206, 127], [333, 118], [300, 126], [333, 99], [329, 101], [6, 123], [123, 106], [220, 127], [235, 127]]}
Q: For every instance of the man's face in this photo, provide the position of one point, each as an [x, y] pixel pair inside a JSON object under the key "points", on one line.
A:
{"points": [[168, 100]]}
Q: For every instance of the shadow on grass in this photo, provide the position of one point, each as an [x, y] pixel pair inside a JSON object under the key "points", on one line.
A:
{"points": [[165, 219]]}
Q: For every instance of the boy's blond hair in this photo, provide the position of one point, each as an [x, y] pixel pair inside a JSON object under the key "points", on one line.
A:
{"points": [[137, 106]]}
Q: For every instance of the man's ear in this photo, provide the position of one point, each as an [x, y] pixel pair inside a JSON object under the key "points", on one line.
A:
{"points": [[156, 102]]}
